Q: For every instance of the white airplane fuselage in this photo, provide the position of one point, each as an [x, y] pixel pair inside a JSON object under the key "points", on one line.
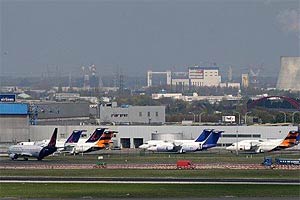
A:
{"points": [[183, 145], [257, 146]]}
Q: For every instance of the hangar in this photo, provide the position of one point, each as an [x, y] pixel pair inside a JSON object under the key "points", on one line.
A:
{"points": [[132, 136], [14, 122]]}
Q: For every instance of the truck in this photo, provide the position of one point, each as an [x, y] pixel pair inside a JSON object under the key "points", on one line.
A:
{"points": [[284, 161], [280, 161], [185, 164]]}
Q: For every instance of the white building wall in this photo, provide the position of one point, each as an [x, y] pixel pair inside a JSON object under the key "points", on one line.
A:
{"points": [[14, 128], [145, 132]]}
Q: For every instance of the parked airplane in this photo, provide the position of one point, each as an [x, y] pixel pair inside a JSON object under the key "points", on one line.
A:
{"points": [[183, 146], [61, 145], [205, 133], [36, 151], [105, 140], [266, 145], [98, 140], [64, 145]]}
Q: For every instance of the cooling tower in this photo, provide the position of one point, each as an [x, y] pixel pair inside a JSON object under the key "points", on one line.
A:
{"points": [[289, 75]]}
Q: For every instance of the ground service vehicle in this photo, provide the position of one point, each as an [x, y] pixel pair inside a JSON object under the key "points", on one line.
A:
{"points": [[281, 161], [185, 164]]}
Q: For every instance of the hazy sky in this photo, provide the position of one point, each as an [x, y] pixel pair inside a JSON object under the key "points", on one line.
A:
{"points": [[140, 35]]}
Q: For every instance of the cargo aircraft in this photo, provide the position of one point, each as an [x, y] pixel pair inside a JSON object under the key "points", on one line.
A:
{"points": [[266, 145], [36, 151]]}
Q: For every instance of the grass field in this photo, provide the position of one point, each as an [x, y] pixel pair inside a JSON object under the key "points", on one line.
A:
{"points": [[211, 173], [136, 157], [28, 190], [91, 190]]}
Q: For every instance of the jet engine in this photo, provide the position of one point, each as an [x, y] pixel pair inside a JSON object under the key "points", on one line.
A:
{"points": [[247, 147], [13, 156], [165, 147]]}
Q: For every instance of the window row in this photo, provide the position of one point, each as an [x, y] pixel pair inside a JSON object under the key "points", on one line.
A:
{"points": [[148, 114]]}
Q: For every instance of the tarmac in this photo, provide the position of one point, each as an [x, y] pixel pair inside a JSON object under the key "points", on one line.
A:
{"points": [[139, 180]]}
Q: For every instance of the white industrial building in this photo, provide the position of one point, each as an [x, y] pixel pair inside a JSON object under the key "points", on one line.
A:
{"points": [[196, 97], [133, 136], [128, 114], [195, 77], [202, 76]]}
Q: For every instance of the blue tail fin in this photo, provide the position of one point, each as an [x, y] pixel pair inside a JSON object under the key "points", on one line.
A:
{"points": [[298, 138], [96, 135], [74, 137], [205, 133], [212, 139]]}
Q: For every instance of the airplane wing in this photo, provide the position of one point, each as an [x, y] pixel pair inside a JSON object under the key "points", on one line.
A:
{"points": [[252, 146], [177, 143]]}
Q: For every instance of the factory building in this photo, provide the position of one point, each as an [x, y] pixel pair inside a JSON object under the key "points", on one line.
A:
{"points": [[127, 114], [195, 77], [289, 74], [204, 76], [245, 80]]}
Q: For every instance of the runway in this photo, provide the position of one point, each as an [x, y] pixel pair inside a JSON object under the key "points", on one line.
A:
{"points": [[23, 179]]}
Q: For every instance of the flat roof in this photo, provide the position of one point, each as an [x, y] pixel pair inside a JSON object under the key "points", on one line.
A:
{"points": [[201, 67]]}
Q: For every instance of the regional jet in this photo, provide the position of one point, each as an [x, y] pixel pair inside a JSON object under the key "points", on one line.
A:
{"points": [[98, 140], [61, 145], [206, 140], [205, 133], [266, 145], [36, 151]]}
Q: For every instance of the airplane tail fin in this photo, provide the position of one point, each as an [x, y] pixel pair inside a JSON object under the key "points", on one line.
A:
{"points": [[105, 139], [298, 138], [212, 139], [291, 139], [74, 137], [52, 141], [205, 133], [96, 135]]}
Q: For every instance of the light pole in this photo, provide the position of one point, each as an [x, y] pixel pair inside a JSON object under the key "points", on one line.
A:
{"points": [[237, 140], [239, 116], [284, 116], [194, 116], [200, 116], [246, 116], [293, 116]]}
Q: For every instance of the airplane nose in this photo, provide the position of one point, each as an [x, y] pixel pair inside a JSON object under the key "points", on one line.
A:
{"points": [[143, 146], [151, 149], [229, 148]]}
